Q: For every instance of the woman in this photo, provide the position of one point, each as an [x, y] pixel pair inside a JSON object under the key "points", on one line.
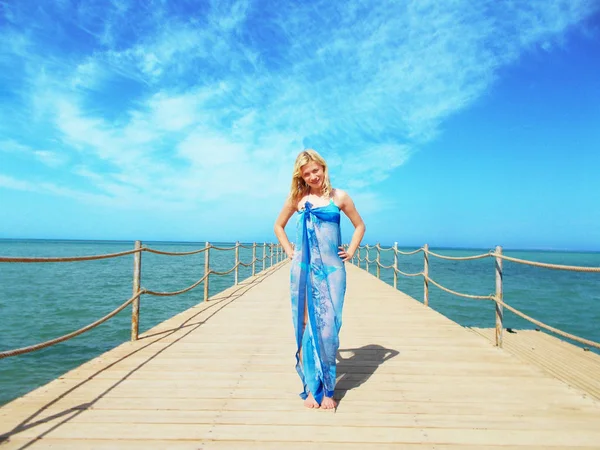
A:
{"points": [[318, 275]]}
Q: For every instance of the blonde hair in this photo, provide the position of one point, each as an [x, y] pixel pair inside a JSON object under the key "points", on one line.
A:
{"points": [[299, 187]]}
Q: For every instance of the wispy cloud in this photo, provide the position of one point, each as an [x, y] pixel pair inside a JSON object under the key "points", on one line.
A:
{"points": [[49, 158], [45, 188], [175, 105], [16, 184]]}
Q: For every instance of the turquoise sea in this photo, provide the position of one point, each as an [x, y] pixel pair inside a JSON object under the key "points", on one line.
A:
{"points": [[40, 301]]}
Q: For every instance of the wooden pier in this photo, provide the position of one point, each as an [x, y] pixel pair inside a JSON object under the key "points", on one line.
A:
{"points": [[221, 375]]}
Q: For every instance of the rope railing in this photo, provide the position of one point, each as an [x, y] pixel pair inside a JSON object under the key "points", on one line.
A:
{"points": [[546, 265], [162, 252], [491, 253], [222, 248], [497, 298], [408, 274], [248, 264], [20, 259], [55, 259], [182, 291], [32, 348], [460, 294], [276, 252], [214, 272], [460, 258], [414, 252], [275, 255], [550, 328]]}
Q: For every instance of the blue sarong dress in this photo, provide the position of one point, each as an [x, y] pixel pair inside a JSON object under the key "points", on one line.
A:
{"points": [[318, 280]]}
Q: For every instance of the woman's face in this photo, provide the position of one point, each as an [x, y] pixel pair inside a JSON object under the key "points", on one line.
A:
{"points": [[312, 174]]}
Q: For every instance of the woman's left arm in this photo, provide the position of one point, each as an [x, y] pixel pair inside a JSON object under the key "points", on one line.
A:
{"points": [[347, 205]]}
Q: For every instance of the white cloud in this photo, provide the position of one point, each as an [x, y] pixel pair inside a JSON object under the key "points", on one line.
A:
{"points": [[51, 159], [208, 152], [201, 106], [87, 74], [174, 113], [9, 182], [10, 145], [229, 14], [44, 188], [47, 157], [371, 165]]}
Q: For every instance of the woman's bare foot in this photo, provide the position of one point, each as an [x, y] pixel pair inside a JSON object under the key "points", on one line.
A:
{"points": [[328, 403], [310, 402]]}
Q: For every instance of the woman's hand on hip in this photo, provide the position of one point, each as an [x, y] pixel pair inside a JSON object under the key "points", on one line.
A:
{"points": [[344, 255]]}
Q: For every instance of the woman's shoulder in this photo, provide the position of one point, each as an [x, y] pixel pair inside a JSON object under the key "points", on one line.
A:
{"points": [[338, 194], [340, 198]]}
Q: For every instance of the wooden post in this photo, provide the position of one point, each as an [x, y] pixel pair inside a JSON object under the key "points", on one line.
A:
{"points": [[237, 260], [264, 258], [395, 265], [378, 247], [135, 306], [358, 257], [271, 253], [499, 307], [253, 258], [426, 275], [206, 269]]}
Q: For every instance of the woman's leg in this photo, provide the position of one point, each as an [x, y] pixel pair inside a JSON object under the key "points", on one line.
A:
{"points": [[329, 402], [310, 401], [337, 290]]}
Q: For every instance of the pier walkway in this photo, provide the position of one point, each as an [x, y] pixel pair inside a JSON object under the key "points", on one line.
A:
{"points": [[221, 375]]}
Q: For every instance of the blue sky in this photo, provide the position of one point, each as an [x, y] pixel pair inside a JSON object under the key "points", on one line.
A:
{"points": [[468, 124]]}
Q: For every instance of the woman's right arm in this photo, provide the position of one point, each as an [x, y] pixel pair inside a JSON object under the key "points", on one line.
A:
{"points": [[286, 212]]}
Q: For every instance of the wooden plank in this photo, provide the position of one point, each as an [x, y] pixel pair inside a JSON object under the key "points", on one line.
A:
{"points": [[92, 444], [330, 433], [355, 419], [566, 362]]}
